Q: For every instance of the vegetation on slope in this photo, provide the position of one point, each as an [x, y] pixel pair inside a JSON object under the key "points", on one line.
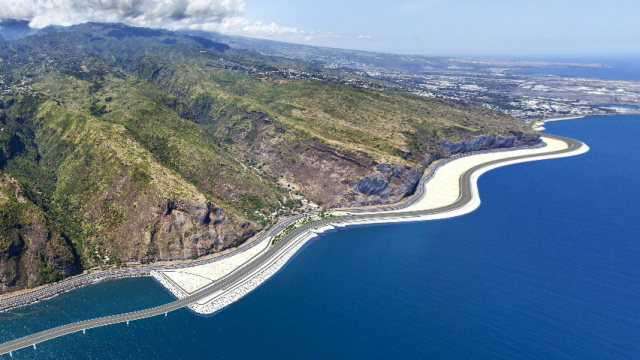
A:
{"points": [[123, 144]]}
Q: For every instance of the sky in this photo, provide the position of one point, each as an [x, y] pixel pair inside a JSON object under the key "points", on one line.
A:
{"points": [[422, 27]]}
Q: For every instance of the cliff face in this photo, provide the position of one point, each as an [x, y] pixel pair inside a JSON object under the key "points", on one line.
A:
{"points": [[32, 251], [186, 230], [389, 184], [476, 144], [486, 142]]}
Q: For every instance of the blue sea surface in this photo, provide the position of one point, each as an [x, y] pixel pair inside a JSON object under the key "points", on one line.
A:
{"points": [[547, 268], [617, 68]]}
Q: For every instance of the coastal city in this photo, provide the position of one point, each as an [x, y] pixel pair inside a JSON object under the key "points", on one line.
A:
{"points": [[494, 84]]}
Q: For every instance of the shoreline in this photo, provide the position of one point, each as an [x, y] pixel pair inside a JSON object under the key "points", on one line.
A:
{"points": [[30, 296], [444, 189], [538, 125], [88, 277], [127, 265], [423, 209], [256, 271], [565, 118]]}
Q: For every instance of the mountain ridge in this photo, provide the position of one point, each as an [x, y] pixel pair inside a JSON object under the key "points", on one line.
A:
{"points": [[139, 145]]}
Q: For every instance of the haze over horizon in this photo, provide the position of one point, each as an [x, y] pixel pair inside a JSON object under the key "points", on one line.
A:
{"points": [[420, 27]]}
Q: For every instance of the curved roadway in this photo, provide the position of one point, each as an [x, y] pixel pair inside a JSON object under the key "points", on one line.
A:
{"points": [[466, 194]]}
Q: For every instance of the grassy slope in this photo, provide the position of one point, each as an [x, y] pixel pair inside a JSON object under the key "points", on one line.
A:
{"points": [[121, 129], [384, 124]]}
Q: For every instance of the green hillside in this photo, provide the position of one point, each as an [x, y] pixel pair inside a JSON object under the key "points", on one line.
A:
{"points": [[124, 144]]}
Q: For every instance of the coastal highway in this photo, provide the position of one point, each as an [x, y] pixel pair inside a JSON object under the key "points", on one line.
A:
{"points": [[466, 195], [92, 278]]}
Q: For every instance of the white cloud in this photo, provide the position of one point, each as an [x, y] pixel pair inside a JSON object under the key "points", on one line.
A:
{"points": [[17, 9], [155, 13], [238, 25], [224, 16]]}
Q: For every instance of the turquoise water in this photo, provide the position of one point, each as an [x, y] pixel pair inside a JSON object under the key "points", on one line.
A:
{"points": [[547, 268]]}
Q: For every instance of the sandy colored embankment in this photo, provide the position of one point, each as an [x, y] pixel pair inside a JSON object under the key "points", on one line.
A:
{"points": [[539, 124], [193, 278], [444, 188]]}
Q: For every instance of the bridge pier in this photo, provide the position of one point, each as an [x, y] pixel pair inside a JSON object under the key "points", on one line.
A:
{"points": [[84, 331], [127, 322], [34, 346], [10, 353], [165, 314]]}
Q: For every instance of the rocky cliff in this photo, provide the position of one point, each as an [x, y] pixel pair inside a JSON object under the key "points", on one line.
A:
{"points": [[487, 142], [32, 251], [389, 184]]}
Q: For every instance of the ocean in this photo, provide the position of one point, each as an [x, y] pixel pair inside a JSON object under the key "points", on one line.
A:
{"points": [[548, 267], [617, 68]]}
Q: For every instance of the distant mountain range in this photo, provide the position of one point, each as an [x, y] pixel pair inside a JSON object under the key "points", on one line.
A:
{"points": [[15, 29]]}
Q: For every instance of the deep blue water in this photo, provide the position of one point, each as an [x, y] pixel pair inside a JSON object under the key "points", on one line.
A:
{"points": [[617, 68], [547, 268]]}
